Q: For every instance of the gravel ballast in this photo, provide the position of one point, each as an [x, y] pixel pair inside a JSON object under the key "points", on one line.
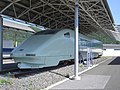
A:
{"points": [[41, 80]]}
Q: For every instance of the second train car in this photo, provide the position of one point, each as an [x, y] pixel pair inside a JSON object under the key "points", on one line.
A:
{"points": [[49, 47]]}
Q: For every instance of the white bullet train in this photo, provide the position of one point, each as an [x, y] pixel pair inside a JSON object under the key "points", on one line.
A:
{"points": [[49, 47]]}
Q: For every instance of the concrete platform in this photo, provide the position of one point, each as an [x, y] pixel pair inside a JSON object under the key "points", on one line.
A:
{"points": [[87, 82], [106, 76]]}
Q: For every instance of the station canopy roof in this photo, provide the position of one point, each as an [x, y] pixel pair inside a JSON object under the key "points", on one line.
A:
{"points": [[94, 15], [13, 25]]}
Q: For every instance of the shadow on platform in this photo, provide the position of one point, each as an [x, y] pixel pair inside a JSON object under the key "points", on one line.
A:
{"points": [[116, 61]]}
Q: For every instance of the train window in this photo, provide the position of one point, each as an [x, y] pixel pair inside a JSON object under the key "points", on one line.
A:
{"points": [[21, 49], [67, 34]]}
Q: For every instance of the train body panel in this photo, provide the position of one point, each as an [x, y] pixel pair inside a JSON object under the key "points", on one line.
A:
{"points": [[48, 48]]}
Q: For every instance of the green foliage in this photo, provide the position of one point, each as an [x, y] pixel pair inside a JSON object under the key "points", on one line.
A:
{"points": [[22, 35], [5, 82], [30, 86], [18, 36], [81, 65], [102, 37]]}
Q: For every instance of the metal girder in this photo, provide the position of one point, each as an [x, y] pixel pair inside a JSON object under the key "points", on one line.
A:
{"points": [[6, 8], [30, 9], [1, 43], [57, 13]]}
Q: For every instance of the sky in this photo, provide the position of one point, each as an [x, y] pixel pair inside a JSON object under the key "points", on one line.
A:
{"points": [[115, 10]]}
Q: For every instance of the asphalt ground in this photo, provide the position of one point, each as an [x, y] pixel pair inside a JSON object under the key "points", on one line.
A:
{"points": [[105, 76]]}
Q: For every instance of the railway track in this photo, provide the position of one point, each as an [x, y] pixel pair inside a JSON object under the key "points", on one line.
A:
{"points": [[26, 72]]}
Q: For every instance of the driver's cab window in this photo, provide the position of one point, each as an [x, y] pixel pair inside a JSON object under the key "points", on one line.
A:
{"points": [[67, 35]]}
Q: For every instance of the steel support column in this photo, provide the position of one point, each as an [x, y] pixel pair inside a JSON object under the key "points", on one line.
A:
{"points": [[1, 42], [76, 42]]}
